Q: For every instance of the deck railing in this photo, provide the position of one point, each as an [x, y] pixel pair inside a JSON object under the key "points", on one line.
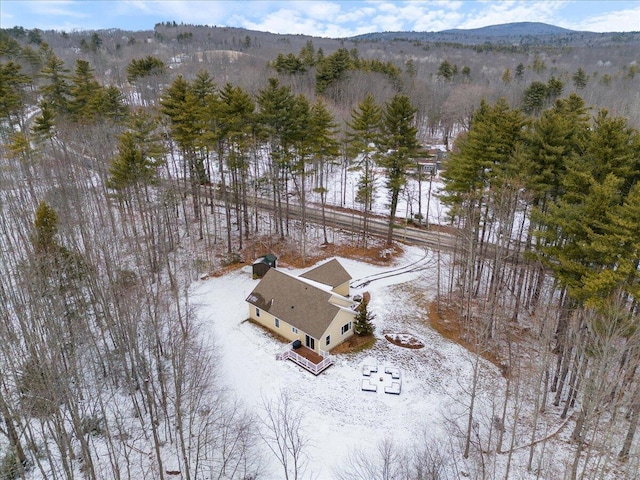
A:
{"points": [[315, 368], [285, 355]]}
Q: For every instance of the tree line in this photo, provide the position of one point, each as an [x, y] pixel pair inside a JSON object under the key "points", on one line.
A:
{"points": [[103, 190], [547, 210]]}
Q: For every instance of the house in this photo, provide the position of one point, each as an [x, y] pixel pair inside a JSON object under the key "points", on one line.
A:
{"points": [[312, 311], [426, 166], [332, 274], [432, 161], [262, 264]]}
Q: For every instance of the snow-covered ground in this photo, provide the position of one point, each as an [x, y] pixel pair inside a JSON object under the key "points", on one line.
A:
{"points": [[342, 192], [339, 417]]}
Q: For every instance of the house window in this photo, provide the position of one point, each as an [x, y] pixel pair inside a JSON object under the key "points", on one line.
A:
{"points": [[277, 323], [327, 341], [257, 312], [294, 329], [345, 328]]}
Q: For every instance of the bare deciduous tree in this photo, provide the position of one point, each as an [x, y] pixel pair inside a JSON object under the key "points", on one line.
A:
{"points": [[283, 431]]}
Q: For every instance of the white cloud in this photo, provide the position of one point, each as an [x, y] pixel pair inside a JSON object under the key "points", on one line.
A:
{"points": [[324, 18], [197, 13], [618, 21], [352, 17], [416, 15], [59, 8], [281, 21], [496, 13], [435, 21], [321, 10], [358, 14]]}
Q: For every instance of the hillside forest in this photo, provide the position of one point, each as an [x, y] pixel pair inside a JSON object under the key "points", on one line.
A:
{"points": [[133, 163]]}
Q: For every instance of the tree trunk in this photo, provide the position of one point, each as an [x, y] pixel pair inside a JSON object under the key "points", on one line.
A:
{"points": [[633, 425], [12, 433]]}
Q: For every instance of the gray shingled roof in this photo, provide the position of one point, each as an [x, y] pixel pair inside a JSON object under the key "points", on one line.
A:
{"points": [[331, 273], [294, 301], [268, 259]]}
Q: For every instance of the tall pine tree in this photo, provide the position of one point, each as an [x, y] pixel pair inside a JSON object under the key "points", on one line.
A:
{"points": [[365, 138], [400, 144]]}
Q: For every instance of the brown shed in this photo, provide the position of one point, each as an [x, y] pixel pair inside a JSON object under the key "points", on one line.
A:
{"points": [[263, 264]]}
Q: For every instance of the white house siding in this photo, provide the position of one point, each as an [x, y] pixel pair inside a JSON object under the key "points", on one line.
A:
{"points": [[342, 289], [285, 330], [269, 321], [343, 317], [340, 301]]}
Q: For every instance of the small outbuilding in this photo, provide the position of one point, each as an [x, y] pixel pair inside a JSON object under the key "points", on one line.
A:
{"points": [[263, 264]]}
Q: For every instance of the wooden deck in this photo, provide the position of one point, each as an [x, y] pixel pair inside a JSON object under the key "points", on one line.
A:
{"points": [[309, 354], [306, 358]]}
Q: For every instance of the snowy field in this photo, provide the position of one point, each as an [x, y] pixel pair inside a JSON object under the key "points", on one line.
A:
{"points": [[340, 418]]}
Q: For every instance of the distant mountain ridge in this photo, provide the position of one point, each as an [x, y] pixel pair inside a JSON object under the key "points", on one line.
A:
{"points": [[513, 29], [520, 33]]}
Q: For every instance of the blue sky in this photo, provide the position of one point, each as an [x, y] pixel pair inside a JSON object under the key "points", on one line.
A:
{"points": [[325, 18]]}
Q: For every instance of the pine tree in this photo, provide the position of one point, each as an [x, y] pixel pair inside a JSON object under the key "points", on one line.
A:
{"points": [[149, 76], [303, 143], [44, 124], [95, 42], [539, 65], [276, 106], [9, 46], [445, 70], [580, 246], [288, 64], [307, 54], [363, 324], [46, 229], [33, 60], [554, 88], [12, 92], [613, 148], [534, 97], [85, 92], [56, 90], [324, 149], [220, 122], [410, 67], [624, 233], [506, 76], [580, 79], [203, 87], [400, 145], [183, 107], [109, 103], [139, 155], [482, 181], [332, 69], [239, 113], [145, 67], [364, 141], [558, 135]]}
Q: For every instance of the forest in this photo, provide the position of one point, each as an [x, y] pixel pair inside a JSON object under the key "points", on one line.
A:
{"points": [[134, 163]]}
